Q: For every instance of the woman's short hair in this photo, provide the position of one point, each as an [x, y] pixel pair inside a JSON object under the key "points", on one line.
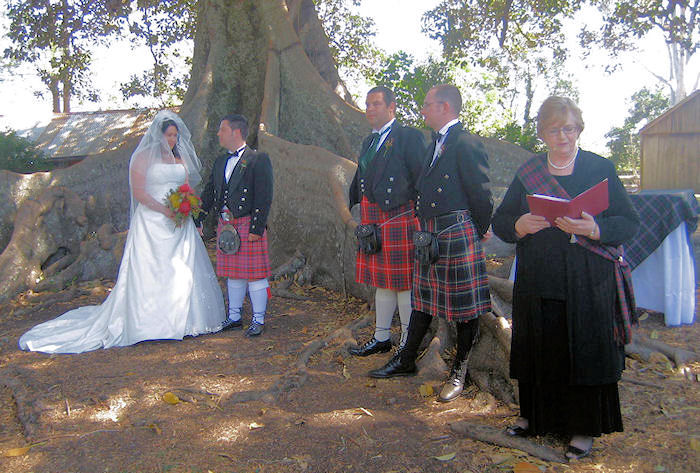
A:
{"points": [[556, 110]]}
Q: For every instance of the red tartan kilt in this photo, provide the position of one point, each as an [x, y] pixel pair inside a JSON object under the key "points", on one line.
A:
{"points": [[392, 267], [456, 287], [250, 261]]}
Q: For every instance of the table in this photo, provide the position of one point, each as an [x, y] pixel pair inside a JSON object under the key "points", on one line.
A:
{"points": [[661, 254]]}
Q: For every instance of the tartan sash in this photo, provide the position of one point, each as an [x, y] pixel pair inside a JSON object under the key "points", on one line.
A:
{"points": [[536, 179]]}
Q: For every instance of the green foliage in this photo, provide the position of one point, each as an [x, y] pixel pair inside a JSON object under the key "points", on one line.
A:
{"points": [[625, 22], [350, 38], [481, 110], [524, 136], [165, 27], [410, 82], [18, 154], [521, 42], [56, 38], [623, 142]]}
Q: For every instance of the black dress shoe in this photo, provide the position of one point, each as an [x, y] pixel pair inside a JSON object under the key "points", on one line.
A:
{"points": [[575, 453], [254, 329], [454, 385], [232, 325], [371, 347], [394, 367], [517, 431]]}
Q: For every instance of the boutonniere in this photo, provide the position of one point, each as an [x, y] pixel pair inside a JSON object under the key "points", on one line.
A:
{"points": [[243, 163], [442, 149], [387, 145]]}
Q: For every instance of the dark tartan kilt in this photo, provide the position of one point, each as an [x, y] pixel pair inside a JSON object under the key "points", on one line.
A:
{"points": [[250, 261], [456, 287], [392, 267]]}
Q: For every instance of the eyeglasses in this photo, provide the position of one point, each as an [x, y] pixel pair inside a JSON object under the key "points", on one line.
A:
{"points": [[568, 130], [428, 104]]}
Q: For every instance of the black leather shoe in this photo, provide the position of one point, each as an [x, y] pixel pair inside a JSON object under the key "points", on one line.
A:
{"points": [[254, 329], [451, 390], [394, 367], [455, 383], [371, 347], [232, 325], [575, 453], [517, 431]]}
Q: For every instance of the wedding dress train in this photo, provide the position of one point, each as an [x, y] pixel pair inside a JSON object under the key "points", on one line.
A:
{"points": [[166, 287]]}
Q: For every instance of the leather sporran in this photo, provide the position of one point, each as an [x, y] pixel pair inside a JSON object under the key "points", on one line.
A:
{"points": [[427, 251], [368, 238], [229, 240]]}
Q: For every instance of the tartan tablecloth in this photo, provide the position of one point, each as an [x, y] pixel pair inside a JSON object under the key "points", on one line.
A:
{"points": [[660, 212]]}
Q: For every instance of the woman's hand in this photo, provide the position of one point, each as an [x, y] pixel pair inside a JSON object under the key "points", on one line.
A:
{"points": [[528, 223], [585, 226], [253, 237]]}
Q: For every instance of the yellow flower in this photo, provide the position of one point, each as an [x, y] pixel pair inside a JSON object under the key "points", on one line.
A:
{"points": [[194, 200], [175, 200]]}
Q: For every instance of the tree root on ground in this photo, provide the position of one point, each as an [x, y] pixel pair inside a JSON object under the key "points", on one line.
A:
{"points": [[495, 436], [18, 380], [643, 348], [298, 375]]}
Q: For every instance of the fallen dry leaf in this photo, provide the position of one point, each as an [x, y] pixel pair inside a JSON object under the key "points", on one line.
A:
{"points": [[426, 390], [446, 457], [16, 452], [695, 444], [346, 374], [365, 411], [525, 467], [171, 398], [255, 425]]}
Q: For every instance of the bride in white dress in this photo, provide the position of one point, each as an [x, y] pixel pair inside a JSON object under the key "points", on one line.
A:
{"points": [[166, 287]]}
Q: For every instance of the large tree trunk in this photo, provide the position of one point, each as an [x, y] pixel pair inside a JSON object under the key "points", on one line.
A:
{"points": [[269, 60], [249, 59]]}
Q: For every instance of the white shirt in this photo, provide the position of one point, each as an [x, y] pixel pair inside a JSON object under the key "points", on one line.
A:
{"points": [[232, 161], [443, 132], [382, 133]]}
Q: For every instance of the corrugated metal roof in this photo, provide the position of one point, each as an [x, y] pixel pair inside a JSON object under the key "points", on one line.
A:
{"points": [[88, 133]]}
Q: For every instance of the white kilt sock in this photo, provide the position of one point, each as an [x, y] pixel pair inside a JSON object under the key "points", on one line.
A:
{"points": [[236, 294], [258, 298], [385, 306], [404, 298]]}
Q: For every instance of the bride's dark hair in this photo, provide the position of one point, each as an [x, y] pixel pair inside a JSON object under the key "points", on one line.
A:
{"points": [[164, 127]]}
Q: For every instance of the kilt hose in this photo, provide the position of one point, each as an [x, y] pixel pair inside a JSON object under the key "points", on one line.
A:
{"points": [[456, 287], [391, 267], [250, 261]]}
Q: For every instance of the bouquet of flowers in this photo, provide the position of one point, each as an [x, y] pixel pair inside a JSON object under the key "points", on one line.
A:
{"points": [[183, 203]]}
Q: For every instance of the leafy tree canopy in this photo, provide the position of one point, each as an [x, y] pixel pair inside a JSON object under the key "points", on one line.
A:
{"points": [[56, 36], [624, 145], [625, 22]]}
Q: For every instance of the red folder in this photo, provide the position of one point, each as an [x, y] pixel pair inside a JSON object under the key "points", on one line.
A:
{"points": [[592, 201]]}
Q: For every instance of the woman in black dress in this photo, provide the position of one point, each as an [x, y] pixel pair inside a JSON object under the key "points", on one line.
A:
{"points": [[572, 295]]}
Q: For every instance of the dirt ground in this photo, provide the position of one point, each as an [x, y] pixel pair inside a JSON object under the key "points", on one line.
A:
{"points": [[258, 405]]}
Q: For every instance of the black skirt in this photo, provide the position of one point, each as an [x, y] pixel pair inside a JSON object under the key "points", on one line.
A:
{"points": [[549, 402]]}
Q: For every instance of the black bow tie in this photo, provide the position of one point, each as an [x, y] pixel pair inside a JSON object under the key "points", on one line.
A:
{"points": [[233, 154], [436, 136]]}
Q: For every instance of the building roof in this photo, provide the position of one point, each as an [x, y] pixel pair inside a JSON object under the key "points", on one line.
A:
{"points": [[81, 134], [665, 123]]}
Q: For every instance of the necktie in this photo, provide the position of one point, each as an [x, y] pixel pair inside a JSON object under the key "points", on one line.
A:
{"points": [[369, 153]]}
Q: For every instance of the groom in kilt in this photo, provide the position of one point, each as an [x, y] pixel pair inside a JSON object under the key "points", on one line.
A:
{"points": [[240, 192], [454, 204], [384, 186]]}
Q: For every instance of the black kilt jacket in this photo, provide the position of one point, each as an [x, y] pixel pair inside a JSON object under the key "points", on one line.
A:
{"points": [[457, 181], [248, 192], [390, 178]]}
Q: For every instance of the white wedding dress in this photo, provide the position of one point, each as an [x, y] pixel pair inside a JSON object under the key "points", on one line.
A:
{"points": [[166, 287]]}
